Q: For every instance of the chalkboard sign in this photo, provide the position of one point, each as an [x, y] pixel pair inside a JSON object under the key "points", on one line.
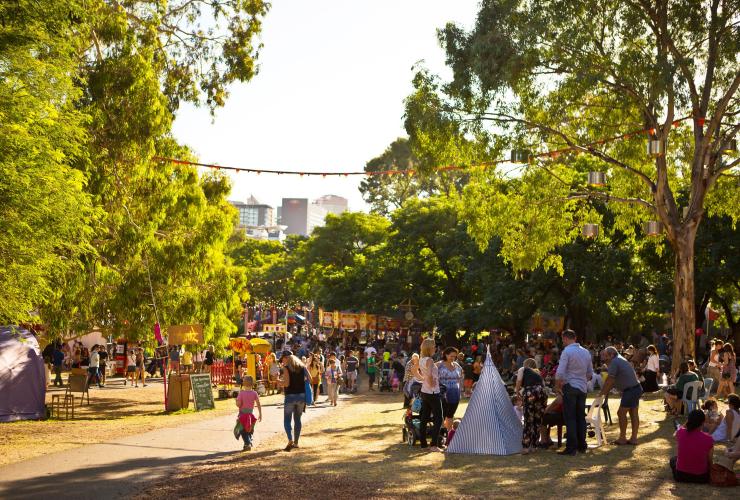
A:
{"points": [[202, 392]]}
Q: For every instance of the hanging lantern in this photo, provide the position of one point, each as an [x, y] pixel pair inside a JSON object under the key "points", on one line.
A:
{"points": [[590, 230], [653, 228], [597, 179], [731, 146], [519, 156], [655, 147], [685, 212]]}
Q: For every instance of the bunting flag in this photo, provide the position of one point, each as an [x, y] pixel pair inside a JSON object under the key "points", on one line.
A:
{"points": [[547, 154]]}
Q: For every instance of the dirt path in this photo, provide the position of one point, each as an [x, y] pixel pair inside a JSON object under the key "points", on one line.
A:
{"points": [[120, 467]]}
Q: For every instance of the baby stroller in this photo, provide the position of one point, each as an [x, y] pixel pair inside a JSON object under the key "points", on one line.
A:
{"points": [[412, 422], [386, 372]]}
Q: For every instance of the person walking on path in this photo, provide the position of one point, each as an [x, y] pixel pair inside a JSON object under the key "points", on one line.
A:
{"points": [[351, 364], [622, 376], [652, 370], [713, 369], [293, 378], [57, 361], [574, 371], [372, 368], [431, 401], [131, 368], [315, 371], [531, 388], [93, 367], [728, 371], [450, 376], [333, 375], [409, 378], [245, 421], [140, 368]]}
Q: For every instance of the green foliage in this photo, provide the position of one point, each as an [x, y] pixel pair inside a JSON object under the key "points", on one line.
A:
{"points": [[97, 233], [550, 75], [45, 214]]}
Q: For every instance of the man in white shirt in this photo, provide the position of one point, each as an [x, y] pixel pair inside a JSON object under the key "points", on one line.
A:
{"points": [[571, 379], [92, 369]]}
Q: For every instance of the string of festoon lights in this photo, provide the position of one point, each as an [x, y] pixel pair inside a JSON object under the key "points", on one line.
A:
{"points": [[517, 156], [270, 282]]}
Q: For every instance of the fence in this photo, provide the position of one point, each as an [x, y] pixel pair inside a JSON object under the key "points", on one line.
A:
{"points": [[222, 373]]}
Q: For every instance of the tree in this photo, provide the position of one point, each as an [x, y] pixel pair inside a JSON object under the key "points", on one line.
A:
{"points": [[565, 75], [336, 262], [161, 238], [385, 193], [45, 214]]}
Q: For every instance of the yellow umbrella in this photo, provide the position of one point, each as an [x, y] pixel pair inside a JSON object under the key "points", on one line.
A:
{"points": [[260, 346]]}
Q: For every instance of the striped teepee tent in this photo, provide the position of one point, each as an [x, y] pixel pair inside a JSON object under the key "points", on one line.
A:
{"points": [[489, 426]]}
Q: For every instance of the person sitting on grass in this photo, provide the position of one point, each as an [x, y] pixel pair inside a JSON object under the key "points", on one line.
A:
{"points": [[730, 425], [693, 459], [713, 417], [245, 401], [674, 394]]}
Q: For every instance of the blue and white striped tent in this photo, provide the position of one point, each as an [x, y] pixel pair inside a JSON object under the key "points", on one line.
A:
{"points": [[490, 425]]}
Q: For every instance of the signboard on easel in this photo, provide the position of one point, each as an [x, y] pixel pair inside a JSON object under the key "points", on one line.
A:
{"points": [[202, 392]]}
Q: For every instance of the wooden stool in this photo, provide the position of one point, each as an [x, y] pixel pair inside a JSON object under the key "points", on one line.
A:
{"points": [[66, 401]]}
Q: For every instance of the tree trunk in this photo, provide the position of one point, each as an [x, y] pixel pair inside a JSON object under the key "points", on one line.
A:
{"points": [[683, 309]]}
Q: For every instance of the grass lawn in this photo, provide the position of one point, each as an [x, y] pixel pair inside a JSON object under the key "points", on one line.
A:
{"points": [[357, 452], [115, 411]]}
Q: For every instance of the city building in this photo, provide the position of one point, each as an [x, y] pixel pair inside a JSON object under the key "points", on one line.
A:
{"points": [[271, 233], [333, 204], [300, 216], [254, 213]]}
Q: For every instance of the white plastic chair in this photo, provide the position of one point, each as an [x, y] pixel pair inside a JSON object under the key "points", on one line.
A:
{"points": [[691, 403], [594, 419], [708, 382]]}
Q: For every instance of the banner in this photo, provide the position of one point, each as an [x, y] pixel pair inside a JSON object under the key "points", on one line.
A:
{"points": [[335, 319], [348, 321], [363, 320], [326, 319], [185, 335], [274, 328]]}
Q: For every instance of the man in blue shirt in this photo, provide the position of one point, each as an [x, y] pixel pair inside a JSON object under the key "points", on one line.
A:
{"points": [[57, 360], [622, 377], [574, 371]]}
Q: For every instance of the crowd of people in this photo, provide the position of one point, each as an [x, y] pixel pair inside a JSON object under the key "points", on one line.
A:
{"points": [[547, 376]]}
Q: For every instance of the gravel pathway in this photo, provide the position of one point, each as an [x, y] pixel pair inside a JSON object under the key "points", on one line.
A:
{"points": [[119, 468]]}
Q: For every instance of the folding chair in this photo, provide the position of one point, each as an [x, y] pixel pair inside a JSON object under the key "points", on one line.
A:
{"points": [[691, 403], [594, 419], [78, 383]]}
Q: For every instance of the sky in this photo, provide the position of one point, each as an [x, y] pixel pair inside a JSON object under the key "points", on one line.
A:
{"points": [[329, 93]]}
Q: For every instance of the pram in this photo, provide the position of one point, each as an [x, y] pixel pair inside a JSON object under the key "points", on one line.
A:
{"points": [[412, 422], [386, 372]]}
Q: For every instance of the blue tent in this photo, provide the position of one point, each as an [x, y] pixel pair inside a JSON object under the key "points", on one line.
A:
{"points": [[490, 425], [22, 376]]}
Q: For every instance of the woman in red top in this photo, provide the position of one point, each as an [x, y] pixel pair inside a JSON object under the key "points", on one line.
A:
{"points": [[694, 451]]}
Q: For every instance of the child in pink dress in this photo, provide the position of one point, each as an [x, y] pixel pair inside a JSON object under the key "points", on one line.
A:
{"points": [[245, 401]]}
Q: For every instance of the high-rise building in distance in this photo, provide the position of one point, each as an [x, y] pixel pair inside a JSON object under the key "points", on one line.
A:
{"points": [[254, 213], [333, 204], [300, 216]]}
